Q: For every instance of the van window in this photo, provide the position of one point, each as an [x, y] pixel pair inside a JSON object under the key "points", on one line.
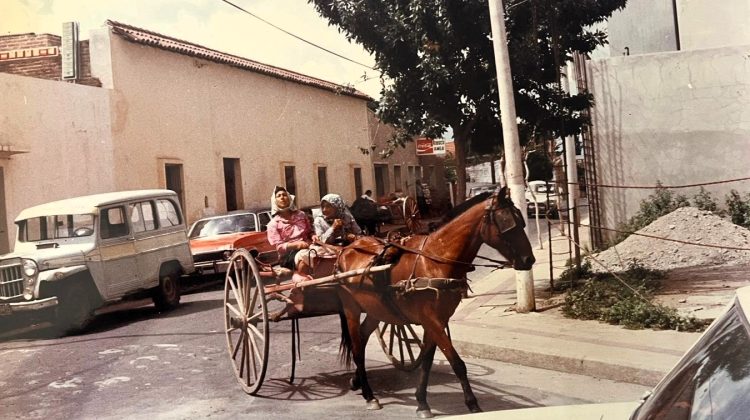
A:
{"points": [[168, 214], [142, 216], [113, 223]]}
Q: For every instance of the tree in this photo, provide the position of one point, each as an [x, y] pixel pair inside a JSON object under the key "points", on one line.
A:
{"points": [[437, 61]]}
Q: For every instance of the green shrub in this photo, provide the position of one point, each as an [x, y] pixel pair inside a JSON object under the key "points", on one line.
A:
{"points": [[738, 208], [703, 200], [605, 298]]}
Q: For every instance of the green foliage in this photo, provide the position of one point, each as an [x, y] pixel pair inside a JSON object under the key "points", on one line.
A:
{"points": [[662, 201], [704, 200], [438, 59], [540, 167], [739, 208], [605, 298]]}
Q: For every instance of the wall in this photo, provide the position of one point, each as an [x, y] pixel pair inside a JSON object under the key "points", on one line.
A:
{"points": [[712, 24], [195, 112], [66, 130], [403, 157], [679, 118], [644, 26]]}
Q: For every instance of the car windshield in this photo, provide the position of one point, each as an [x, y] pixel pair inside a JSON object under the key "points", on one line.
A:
{"points": [[712, 381], [55, 227], [542, 188], [223, 225]]}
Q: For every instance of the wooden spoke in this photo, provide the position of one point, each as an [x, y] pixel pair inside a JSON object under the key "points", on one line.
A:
{"points": [[407, 341]]}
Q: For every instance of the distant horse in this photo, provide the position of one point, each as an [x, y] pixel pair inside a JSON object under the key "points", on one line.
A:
{"points": [[426, 284]]}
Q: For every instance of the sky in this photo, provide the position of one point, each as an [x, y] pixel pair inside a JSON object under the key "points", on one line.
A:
{"points": [[213, 24]]}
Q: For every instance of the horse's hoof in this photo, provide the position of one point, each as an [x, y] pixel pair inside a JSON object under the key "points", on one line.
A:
{"points": [[354, 384], [373, 404], [425, 414], [475, 409]]}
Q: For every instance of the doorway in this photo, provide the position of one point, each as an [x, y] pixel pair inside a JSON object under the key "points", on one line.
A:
{"points": [[233, 184], [173, 178], [4, 242]]}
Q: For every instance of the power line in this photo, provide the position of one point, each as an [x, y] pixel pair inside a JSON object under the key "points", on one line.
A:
{"points": [[295, 36]]}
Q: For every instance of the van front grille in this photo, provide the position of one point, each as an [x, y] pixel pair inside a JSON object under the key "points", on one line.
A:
{"points": [[11, 280]]}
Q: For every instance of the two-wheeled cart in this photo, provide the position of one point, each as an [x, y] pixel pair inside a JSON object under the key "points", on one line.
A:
{"points": [[255, 296]]}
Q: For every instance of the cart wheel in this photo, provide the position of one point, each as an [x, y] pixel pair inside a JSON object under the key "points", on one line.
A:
{"points": [[401, 344], [411, 215], [246, 321]]}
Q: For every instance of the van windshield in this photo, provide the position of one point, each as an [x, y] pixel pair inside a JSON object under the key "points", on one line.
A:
{"points": [[55, 227]]}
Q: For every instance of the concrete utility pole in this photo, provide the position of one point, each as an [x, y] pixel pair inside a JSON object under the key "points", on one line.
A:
{"points": [[514, 159], [570, 164]]}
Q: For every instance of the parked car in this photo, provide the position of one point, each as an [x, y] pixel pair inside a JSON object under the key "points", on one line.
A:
{"points": [[214, 239], [542, 195], [75, 255], [478, 188], [711, 381]]}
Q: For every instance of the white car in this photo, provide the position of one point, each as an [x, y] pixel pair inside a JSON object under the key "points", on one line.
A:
{"points": [[541, 195], [75, 255], [711, 381]]}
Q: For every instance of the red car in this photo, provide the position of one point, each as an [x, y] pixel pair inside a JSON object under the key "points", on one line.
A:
{"points": [[214, 239]]}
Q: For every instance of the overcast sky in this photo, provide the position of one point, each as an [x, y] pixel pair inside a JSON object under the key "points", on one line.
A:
{"points": [[214, 24]]}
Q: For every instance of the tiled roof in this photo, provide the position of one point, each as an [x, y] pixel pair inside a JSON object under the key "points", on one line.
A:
{"points": [[146, 37]]}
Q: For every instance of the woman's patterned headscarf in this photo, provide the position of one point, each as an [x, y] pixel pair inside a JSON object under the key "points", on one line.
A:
{"points": [[342, 212]]}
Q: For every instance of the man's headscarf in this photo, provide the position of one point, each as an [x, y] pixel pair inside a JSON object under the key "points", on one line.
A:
{"points": [[274, 208], [342, 212]]}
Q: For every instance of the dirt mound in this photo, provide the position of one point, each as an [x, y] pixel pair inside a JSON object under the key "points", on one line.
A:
{"points": [[684, 224]]}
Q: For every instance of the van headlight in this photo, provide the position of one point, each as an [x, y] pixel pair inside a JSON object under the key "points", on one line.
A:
{"points": [[30, 268]]}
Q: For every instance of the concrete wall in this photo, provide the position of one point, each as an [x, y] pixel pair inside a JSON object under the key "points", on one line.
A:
{"points": [[169, 107], [66, 130], [679, 118], [402, 157], [643, 26], [712, 24]]}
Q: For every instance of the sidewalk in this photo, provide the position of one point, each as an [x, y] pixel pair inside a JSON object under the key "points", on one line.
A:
{"points": [[485, 325]]}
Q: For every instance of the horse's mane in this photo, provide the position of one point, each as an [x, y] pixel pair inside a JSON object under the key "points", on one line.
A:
{"points": [[455, 211]]}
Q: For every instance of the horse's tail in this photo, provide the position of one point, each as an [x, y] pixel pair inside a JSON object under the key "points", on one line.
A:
{"points": [[345, 348]]}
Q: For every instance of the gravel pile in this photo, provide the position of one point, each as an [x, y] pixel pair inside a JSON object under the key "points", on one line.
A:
{"points": [[685, 224]]}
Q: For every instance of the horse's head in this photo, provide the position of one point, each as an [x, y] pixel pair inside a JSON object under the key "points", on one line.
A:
{"points": [[502, 228]]}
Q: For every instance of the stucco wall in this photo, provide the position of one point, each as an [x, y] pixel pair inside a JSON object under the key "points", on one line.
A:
{"points": [[643, 26], [402, 157], [712, 24], [66, 130], [679, 118], [196, 112]]}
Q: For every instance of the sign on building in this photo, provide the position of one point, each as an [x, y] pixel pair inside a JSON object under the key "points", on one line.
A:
{"points": [[70, 51], [427, 146]]}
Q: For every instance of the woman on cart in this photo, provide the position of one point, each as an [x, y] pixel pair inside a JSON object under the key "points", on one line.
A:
{"points": [[289, 231], [335, 225]]}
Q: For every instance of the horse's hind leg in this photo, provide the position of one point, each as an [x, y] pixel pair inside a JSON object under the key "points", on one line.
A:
{"points": [[365, 330], [459, 367], [358, 349], [423, 409]]}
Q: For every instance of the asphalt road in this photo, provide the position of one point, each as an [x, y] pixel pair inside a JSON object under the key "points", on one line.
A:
{"points": [[137, 363]]}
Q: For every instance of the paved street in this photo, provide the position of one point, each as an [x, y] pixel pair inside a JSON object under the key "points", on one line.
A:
{"points": [[135, 363]]}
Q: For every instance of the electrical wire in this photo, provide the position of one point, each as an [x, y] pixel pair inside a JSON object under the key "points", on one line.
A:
{"points": [[296, 36]]}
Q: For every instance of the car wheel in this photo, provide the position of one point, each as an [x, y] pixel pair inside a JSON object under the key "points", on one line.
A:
{"points": [[167, 295], [74, 311]]}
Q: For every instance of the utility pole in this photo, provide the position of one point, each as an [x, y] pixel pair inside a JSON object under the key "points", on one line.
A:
{"points": [[514, 160], [571, 87]]}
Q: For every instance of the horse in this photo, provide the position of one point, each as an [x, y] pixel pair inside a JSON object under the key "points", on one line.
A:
{"points": [[446, 254]]}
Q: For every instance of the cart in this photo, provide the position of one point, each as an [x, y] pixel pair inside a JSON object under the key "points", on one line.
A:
{"points": [[254, 297]]}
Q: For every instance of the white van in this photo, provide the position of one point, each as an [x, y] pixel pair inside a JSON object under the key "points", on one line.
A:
{"points": [[75, 255]]}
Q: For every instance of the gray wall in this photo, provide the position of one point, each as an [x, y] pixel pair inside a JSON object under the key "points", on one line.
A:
{"points": [[644, 26], [679, 118]]}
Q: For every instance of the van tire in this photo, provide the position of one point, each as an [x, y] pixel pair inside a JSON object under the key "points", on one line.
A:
{"points": [[74, 310], [166, 296]]}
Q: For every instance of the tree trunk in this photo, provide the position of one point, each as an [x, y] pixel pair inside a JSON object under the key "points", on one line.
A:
{"points": [[460, 143]]}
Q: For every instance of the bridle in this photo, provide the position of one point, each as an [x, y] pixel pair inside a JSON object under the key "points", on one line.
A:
{"points": [[496, 216]]}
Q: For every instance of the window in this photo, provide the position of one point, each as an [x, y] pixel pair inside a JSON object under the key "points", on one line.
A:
{"points": [[168, 214], [55, 227], [397, 178], [289, 180], [113, 223], [264, 218], [381, 180], [358, 182], [174, 180], [142, 217], [322, 181]]}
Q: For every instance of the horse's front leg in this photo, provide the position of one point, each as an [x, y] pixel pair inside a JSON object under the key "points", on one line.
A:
{"points": [[459, 367], [365, 330], [352, 313], [423, 409]]}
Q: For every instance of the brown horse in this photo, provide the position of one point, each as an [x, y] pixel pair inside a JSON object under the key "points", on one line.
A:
{"points": [[446, 253]]}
